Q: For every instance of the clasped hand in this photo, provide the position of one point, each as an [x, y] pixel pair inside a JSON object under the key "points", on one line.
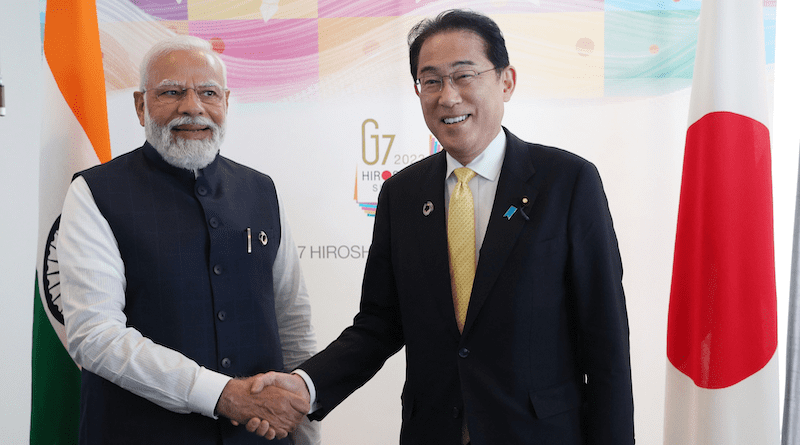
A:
{"points": [[270, 405]]}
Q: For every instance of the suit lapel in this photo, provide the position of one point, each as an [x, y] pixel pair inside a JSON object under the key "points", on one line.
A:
{"points": [[502, 232], [433, 259]]}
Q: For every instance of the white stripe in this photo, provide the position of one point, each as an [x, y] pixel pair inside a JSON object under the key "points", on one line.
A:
{"points": [[65, 150], [729, 70], [742, 414]]}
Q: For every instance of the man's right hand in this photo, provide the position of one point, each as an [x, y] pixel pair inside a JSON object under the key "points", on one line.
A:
{"points": [[289, 382], [271, 412]]}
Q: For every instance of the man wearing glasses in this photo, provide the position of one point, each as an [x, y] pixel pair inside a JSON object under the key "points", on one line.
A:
{"points": [[178, 271], [516, 333]]}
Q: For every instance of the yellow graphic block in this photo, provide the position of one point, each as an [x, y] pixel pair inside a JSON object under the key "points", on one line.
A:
{"points": [[364, 54], [558, 55], [251, 9]]}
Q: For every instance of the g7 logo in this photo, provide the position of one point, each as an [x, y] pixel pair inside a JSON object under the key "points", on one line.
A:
{"points": [[377, 143]]}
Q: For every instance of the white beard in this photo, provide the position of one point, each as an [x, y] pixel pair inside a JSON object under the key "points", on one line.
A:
{"points": [[189, 154]]}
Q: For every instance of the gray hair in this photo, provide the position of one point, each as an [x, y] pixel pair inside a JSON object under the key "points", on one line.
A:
{"points": [[178, 43]]}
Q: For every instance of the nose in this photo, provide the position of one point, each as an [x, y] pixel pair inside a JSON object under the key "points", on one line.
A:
{"points": [[449, 95], [190, 103]]}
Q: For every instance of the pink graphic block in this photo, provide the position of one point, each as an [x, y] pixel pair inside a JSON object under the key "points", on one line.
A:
{"points": [[373, 8], [256, 40], [278, 56], [367, 8]]}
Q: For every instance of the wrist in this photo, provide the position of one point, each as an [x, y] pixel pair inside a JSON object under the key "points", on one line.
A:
{"points": [[226, 404], [309, 385]]}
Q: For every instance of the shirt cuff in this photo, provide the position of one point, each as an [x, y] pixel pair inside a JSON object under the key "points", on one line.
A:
{"points": [[206, 392], [312, 391]]}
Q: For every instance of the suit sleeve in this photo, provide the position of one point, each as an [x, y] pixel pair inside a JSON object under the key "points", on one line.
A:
{"points": [[376, 334], [595, 281]]}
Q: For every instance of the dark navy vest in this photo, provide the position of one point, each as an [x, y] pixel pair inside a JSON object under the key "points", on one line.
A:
{"points": [[196, 283]]}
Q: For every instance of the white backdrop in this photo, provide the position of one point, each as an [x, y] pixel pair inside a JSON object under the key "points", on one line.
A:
{"points": [[637, 145]]}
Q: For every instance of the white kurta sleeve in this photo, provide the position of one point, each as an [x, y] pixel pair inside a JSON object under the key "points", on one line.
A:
{"points": [[93, 291]]}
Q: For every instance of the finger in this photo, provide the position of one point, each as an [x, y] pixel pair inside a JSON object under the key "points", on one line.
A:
{"points": [[235, 423], [271, 433], [300, 405], [253, 424], [281, 433], [263, 428], [261, 381]]}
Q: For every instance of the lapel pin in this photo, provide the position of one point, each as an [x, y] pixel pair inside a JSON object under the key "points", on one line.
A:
{"points": [[263, 238], [510, 212], [427, 208], [525, 202]]}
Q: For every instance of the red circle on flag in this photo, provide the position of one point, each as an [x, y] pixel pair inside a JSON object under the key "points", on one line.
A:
{"points": [[386, 174], [722, 322]]}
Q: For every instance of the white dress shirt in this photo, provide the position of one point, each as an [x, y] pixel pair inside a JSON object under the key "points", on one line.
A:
{"points": [[93, 293]]}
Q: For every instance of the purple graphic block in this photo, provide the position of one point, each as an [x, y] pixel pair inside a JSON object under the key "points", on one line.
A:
{"points": [[164, 9]]}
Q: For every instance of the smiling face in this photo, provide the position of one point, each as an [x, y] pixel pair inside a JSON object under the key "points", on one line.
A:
{"points": [[183, 69], [188, 132], [466, 119]]}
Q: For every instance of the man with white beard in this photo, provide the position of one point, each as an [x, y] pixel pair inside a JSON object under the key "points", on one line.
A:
{"points": [[178, 272]]}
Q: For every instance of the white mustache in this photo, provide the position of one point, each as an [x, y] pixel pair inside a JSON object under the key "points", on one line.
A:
{"points": [[193, 120]]}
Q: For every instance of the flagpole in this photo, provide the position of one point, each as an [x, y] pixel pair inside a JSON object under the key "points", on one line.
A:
{"points": [[2, 89], [791, 399]]}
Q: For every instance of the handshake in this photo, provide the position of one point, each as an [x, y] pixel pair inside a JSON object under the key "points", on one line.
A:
{"points": [[270, 405]]}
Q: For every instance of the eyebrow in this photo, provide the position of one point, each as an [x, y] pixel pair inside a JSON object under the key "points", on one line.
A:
{"points": [[175, 83], [456, 64]]}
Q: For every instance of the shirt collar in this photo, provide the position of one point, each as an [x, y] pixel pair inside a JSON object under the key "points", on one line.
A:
{"points": [[487, 164]]}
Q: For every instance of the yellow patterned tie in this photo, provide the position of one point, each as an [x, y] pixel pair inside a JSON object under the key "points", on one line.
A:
{"points": [[461, 242]]}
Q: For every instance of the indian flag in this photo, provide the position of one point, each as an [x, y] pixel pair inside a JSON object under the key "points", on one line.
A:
{"points": [[722, 370], [74, 137]]}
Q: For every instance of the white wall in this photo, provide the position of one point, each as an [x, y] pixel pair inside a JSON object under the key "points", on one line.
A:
{"points": [[20, 66]]}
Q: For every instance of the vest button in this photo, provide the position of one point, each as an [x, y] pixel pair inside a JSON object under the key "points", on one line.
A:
{"points": [[218, 269], [221, 315], [213, 222], [202, 191], [456, 412], [226, 362], [463, 352]]}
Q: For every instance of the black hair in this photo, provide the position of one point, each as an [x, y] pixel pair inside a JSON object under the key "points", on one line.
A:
{"points": [[459, 20]]}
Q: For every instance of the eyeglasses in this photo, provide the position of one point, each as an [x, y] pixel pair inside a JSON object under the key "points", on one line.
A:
{"points": [[208, 95], [431, 84]]}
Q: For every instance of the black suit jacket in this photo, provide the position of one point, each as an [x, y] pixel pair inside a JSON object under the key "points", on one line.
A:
{"points": [[544, 356]]}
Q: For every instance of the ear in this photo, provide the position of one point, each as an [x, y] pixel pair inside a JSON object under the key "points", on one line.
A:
{"points": [[138, 101], [509, 80], [227, 96]]}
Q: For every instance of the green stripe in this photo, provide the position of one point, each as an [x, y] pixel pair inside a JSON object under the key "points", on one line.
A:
{"points": [[56, 384]]}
